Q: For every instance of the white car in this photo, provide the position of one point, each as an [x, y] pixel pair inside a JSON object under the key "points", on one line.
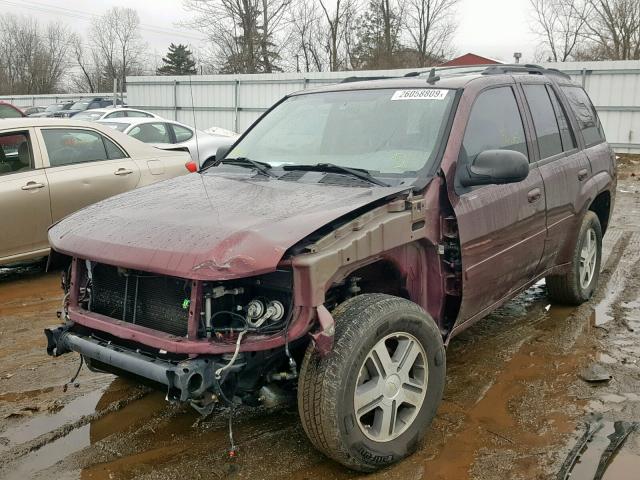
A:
{"points": [[170, 135], [109, 113]]}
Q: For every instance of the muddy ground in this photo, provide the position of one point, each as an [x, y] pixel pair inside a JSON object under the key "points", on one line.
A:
{"points": [[514, 403]]}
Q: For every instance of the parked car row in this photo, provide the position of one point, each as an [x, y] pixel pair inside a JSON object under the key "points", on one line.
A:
{"points": [[139, 124]]}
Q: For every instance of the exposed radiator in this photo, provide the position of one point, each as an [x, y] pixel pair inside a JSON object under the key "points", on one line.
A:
{"points": [[153, 301]]}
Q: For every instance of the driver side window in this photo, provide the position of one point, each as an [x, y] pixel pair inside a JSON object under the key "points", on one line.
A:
{"points": [[494, 124]]}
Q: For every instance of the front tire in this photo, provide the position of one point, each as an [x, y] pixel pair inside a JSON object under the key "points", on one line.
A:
{"points": [[578, 284], [369, 402]]}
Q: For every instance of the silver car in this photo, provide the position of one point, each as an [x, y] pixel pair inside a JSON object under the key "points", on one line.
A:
{"points": [[50, 168], [170, 135], [110, 113]]}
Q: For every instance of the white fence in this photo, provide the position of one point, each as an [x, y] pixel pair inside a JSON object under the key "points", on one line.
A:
{"points": [[235, 101], [24, 101]]}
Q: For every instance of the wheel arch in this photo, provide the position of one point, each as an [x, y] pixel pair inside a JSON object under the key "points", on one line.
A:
{"points": [[601, 206]]}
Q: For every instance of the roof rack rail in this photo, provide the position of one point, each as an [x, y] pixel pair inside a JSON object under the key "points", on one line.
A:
{"points": [[526, 68], [363, 79]]}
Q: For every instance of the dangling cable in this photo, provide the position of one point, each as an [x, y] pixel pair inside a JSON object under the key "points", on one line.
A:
{"points": [[73, 379]]}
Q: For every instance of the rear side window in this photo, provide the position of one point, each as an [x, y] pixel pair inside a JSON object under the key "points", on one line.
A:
{"points": [[151, 133], [544, 120], [494, 124], [70, 146], [566, 132], [113, 151], [583, 109], [182, 134], [117, 114], [135, 113]]}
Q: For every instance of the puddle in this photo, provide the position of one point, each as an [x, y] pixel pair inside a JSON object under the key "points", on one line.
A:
{"points": [[49, 454], [41, 424], [624, 466]]}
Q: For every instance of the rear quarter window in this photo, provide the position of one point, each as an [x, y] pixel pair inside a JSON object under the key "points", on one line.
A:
{"points": [[585, 113]]}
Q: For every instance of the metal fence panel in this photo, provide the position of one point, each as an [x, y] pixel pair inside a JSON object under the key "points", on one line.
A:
{"points": [[236, 101]]}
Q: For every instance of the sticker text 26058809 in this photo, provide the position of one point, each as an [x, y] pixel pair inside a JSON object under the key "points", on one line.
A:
{"points": [[420, 94]]}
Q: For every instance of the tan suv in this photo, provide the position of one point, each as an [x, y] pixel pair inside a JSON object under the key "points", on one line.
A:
{"points": [[51, 167]]}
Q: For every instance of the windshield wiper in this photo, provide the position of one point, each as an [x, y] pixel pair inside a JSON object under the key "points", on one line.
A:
{"points": [[262, 167], [360, 173]]}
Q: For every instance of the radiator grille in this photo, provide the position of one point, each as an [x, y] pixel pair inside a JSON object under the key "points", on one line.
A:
{"points": [[141, 298]]}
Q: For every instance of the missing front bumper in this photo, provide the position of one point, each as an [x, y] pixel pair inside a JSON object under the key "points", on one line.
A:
{"points": [[191, 380]]}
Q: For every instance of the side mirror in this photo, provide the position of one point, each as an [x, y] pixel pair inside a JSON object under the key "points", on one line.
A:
{"points": [[495, 167], [222, 151]]}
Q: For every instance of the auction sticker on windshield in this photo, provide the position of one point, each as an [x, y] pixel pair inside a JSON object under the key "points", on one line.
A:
{"points": [[420, 94]]}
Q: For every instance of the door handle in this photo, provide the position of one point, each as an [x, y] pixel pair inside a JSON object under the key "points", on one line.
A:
{"points": [[534, 195], [123, 171], [582, 174], [32, 186]]}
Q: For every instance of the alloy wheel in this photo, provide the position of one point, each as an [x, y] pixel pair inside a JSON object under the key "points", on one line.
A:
{"points": [[391, 387]]}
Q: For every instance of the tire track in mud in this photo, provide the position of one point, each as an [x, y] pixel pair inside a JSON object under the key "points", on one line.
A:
{"points": [[11, 456]]}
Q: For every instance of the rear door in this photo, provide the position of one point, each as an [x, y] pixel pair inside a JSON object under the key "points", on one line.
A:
{"points": [[24, 196], [84, 166], [562, 165], [502, 227]]}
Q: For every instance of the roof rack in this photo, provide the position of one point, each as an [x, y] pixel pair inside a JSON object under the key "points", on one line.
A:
{"points": [[363, 79], [526, 68], [496, 69]]}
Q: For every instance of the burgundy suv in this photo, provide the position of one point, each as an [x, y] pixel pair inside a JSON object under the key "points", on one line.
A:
{"points": [[340, 244]]}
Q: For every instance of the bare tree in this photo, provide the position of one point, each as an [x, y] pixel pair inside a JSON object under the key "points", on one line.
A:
{"points": [[90, 66], [612, 30], [305, 36], [32, 59], [115, 39], [431, 26], [244, 34], [339, 37], [560, 24]]}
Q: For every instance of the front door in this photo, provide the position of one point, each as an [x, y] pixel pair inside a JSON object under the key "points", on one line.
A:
{"points": [[502, 227], [24, 198], [84, 167]]}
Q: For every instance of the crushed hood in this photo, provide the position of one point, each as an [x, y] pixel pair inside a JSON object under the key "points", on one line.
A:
{"points": [[207, 226]]}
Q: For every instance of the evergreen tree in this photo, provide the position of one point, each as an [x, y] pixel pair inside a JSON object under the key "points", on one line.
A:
{"points": [[179, 61], [378, 36]]}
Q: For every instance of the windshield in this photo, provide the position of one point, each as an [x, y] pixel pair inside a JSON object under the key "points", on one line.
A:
{"points": [[391, 131], [53, 108], [116, 125], [80, 106]]}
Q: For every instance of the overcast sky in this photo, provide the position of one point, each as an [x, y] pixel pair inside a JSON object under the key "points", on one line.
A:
{"points": [[491, 28]]}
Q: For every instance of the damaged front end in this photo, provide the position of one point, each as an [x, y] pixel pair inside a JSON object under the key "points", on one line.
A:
{"points": [[204, 341]]}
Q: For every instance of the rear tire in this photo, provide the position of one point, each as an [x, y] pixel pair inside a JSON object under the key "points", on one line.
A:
{"points": [[578, 284], [369, 402]]}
